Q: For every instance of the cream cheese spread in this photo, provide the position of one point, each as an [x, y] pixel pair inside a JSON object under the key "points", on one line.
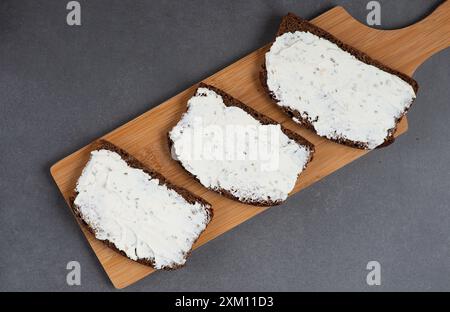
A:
{"points": [[127, 207], [227, 149], [341, 96]]}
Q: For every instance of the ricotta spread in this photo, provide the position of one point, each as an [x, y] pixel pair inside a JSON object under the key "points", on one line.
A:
{"points": [[341, 96], [227, 149], [129, 208]]}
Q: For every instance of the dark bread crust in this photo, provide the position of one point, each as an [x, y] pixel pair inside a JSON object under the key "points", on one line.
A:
{"points": [[231, 101], [292, 23], [135, 163]]}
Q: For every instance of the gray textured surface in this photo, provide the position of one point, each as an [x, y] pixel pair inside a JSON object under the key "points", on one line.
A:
{"points": [[62, 87]]}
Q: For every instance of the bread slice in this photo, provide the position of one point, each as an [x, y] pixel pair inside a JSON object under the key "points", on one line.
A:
{"points": [[236, 170], [136, 211], [333, 88]]}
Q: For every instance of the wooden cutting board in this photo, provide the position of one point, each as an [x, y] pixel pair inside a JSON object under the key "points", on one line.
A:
{"points": [[145, 136]]}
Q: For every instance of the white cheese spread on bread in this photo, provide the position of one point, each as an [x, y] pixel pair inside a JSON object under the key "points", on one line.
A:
{"points": [[127, 207], [204, 130], [342, 97]]}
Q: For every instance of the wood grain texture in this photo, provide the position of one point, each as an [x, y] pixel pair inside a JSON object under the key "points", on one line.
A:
{"points": [[145, 137]]}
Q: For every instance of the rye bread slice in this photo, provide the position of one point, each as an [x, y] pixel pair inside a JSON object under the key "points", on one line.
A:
{"points": [[135, 163], [292, 23], [230, 101]]}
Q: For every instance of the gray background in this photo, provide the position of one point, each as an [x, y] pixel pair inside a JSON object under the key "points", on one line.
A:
{"points": [[61, 87]]}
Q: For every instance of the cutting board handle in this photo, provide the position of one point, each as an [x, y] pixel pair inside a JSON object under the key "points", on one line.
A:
{"points": [[431, 35], [404, 49]]}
